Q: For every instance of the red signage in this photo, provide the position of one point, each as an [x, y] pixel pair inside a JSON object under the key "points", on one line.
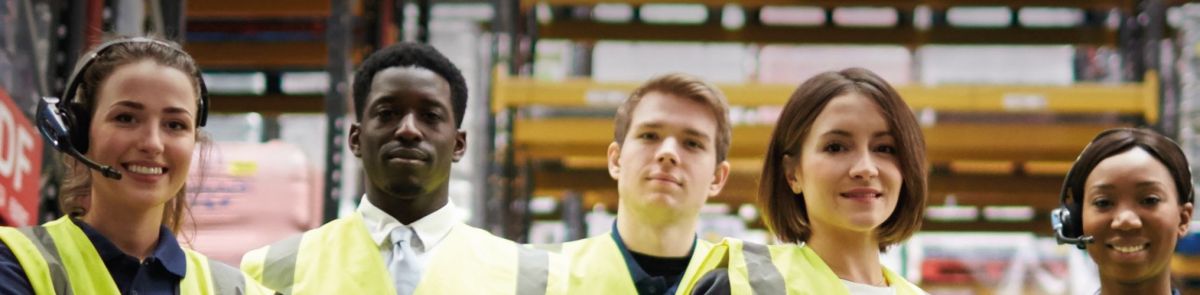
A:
{"points": [[20, 165]]}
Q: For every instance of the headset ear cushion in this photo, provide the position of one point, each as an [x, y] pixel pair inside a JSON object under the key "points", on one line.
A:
{"points": [[78, 119], [1073, 225]]}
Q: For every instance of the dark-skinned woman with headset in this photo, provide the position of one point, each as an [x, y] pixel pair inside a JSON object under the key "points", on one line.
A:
{"points": [[1128, 200]]}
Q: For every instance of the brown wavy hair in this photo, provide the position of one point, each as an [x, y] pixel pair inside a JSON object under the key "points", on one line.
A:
{"points": [[74, 197]]}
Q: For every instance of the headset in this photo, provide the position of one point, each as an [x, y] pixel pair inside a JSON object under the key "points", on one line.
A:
{"points": [[1067, 219], [64, 122]]}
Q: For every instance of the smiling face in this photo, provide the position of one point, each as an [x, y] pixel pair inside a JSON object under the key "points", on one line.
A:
{"points": [[144, 125], [1131, 208], [667, 168], [848, 171], [407, 137]]}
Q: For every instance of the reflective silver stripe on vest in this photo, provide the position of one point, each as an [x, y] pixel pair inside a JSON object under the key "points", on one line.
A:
{"points": [[533, 270], [279, 267], [226, 280], [45, 245], [764, 277]]}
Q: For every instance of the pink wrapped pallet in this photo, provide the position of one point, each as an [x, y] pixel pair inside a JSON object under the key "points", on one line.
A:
{"points": [[251, 194]]}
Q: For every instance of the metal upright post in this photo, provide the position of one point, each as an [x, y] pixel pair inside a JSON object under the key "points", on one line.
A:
{"points": [[1154, 14], [76, 39], [484, 150], [174, 18], [338, 38], [398, 18], [129, 17], [1130, 34], [501, 125], [424, 9], [510, 12], [573, 215]]}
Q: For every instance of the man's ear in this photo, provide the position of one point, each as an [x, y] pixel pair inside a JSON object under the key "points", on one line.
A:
{"points": [[720, 177], [355, 130], [614, 160], [460, 145], [1185, 218], [795, 180]]}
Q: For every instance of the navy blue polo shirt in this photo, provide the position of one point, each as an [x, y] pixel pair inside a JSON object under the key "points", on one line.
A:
{"points": [[158, 274], [646, 283]]}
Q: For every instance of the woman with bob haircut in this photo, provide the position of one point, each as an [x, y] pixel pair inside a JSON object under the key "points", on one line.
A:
{"points": [[1127, 201], [137, 115], [843, 179]]}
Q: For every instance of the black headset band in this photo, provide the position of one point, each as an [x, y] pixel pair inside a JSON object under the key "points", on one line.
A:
{"points": [[88, 59]]}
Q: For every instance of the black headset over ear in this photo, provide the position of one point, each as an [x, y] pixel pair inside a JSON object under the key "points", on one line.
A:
{"points": [[64, 122], [1067, 219]]}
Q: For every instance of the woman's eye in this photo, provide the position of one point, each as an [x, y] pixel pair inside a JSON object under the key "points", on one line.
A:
{"points": [[1151, 200], [1101, 203], [887, 149], [177, 126], [124, 118], [834, 147]]}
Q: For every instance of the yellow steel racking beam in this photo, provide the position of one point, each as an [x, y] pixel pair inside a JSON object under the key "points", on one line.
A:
{"points": [[583, 137], [1139, 99]]}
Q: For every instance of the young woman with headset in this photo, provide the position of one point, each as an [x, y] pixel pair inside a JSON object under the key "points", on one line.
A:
{"points": [[135, 123], [1127, 200]]}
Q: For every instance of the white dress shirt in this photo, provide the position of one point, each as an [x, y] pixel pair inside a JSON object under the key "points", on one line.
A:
{"points": [[430, 231]]}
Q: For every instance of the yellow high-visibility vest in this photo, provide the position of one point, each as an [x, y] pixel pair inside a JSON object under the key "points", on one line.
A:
{"points": [[58, 258], [783, 269], [598, 267], [341, 258]]}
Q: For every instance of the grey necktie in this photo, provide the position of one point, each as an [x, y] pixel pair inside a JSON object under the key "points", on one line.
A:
{"points": [[406, 272]]}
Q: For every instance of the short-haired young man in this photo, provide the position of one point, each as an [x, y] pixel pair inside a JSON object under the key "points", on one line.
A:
{"points": [[668, 157]]}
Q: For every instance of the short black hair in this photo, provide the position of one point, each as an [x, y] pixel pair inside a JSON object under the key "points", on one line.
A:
{"points": [[406, 54]]}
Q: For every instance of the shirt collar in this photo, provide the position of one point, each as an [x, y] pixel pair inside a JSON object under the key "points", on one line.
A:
{"points": [[167, 253], [635, 270], [431, 229]]}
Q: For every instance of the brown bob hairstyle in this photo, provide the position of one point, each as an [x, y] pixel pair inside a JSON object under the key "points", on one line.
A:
{"points": [[785, 212]]}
